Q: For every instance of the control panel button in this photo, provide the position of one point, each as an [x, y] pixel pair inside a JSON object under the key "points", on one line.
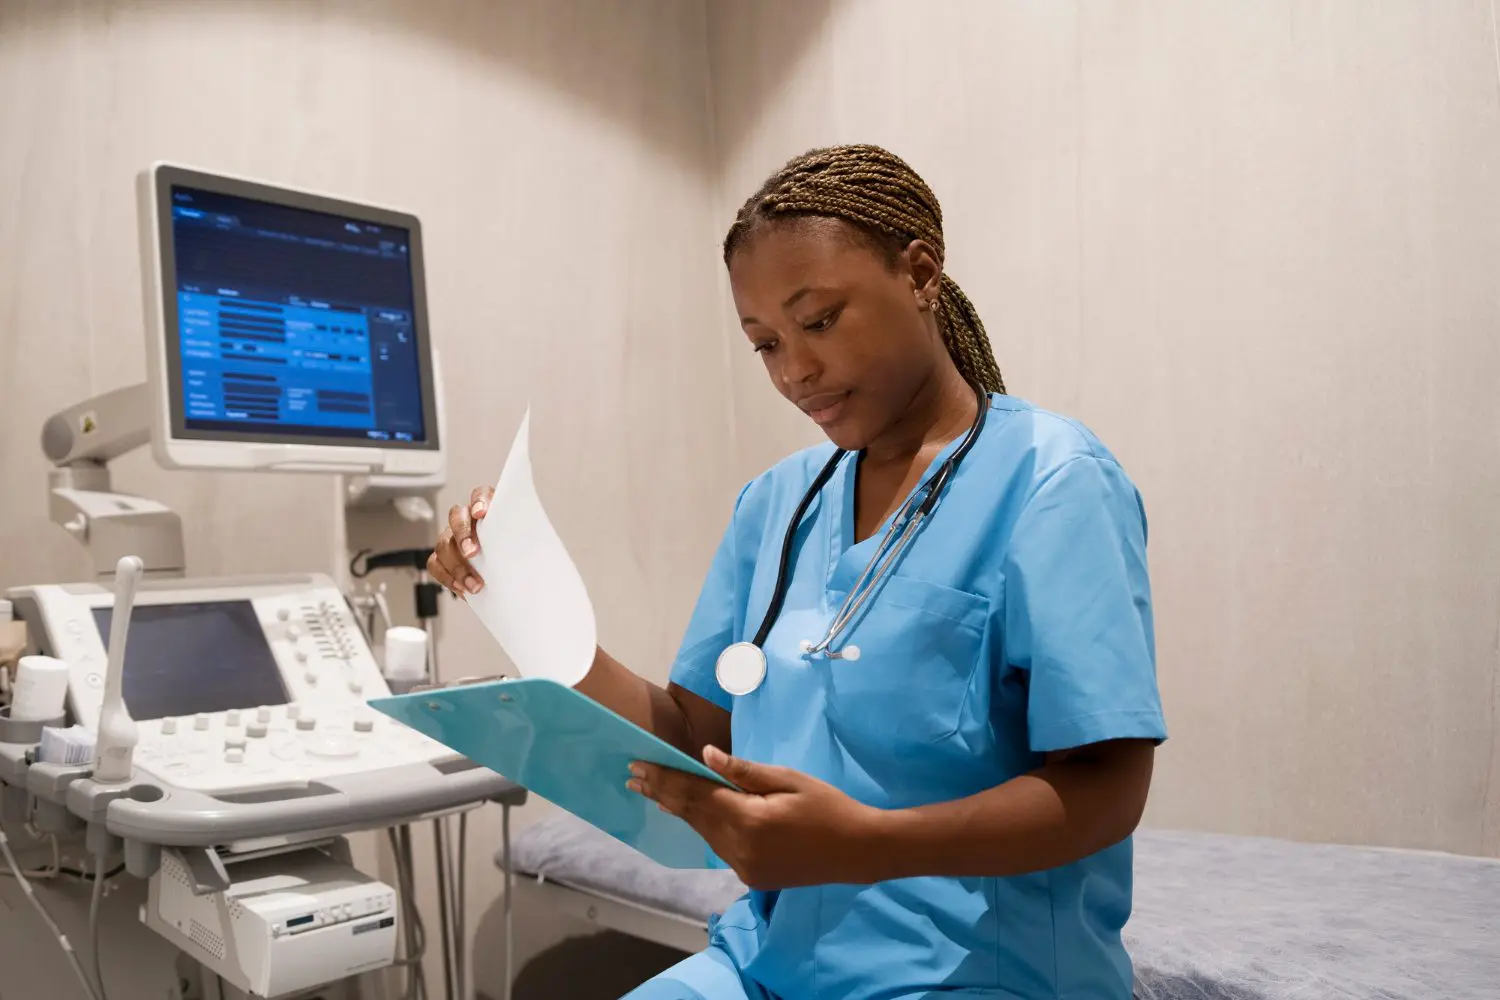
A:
{"points": [[292, 711], [234, 742], [283, 614], [307, 721], [234, 756], [262, 715], [256, 730], [200, 721], [233, 718], [301, 656], [168, 727], [94, 680], [293, 632], [311, 677], [355, 687], [364, 724]]}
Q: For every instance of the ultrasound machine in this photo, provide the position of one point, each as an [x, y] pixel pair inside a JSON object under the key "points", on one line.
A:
{"points": [[181, 818]]}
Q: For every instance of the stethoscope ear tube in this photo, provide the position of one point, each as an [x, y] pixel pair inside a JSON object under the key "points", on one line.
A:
{"points": [[778, 595], [935, 488]]}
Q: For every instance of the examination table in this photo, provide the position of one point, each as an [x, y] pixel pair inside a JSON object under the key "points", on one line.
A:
{"points": [[1216, 917]]}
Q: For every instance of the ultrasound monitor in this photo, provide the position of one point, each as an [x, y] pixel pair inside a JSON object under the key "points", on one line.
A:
{"points": [[285, 329]]}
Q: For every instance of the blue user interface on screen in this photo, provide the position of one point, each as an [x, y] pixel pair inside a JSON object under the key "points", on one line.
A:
{"points": [[293, 322]]}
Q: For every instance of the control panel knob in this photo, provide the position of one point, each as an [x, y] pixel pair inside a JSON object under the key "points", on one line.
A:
{"points": [[233, 718], [262, 715], [234, 756], [292, 711], [306, 722], [168, 727], [364, 724], [200, 721], [333, 745], [256, 730]]}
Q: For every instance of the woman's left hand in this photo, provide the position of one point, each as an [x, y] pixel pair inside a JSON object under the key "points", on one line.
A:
{"points": [[781, 829]]}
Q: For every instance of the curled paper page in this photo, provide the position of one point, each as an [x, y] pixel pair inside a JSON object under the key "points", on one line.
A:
{"points": [[534, 601]]}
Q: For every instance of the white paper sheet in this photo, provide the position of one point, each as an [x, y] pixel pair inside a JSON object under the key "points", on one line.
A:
{"points": [[534, 600]]}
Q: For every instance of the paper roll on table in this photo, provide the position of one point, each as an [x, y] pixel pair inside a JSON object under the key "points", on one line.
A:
{"points": [[534, 601]]}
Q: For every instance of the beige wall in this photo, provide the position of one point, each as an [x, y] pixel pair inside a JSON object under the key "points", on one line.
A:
{"points": [[558, 155], [1255, 246]]}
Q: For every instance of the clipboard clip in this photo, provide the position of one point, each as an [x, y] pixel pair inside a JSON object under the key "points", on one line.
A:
{"points": [[457, 682]]}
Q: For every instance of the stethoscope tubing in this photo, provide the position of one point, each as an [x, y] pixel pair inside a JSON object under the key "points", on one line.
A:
{"points": [[858, 596]]}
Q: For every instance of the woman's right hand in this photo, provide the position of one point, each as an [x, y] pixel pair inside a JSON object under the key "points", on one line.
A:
{"points": [[458, 543]]}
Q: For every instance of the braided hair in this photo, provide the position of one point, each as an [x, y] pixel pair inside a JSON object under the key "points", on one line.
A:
{"points": [[890, 205]]}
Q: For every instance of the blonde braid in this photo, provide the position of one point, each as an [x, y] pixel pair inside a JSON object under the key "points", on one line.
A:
{"points": [[877, 192]]}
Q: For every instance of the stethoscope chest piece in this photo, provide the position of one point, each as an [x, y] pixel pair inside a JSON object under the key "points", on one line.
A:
{"points": [[741, 668]]}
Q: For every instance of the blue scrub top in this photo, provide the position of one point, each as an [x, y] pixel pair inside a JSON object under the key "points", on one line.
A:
{"points": [[1019, 621]]}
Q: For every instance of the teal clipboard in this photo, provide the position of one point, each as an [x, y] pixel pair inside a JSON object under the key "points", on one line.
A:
{"points": [[566, 748]]}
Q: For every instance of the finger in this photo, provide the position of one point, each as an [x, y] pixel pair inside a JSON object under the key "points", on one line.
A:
{"points": [[761, 779], [667, 804], [455, 566], [677, 792], [439, 572], [479, 501], [461, 523]]}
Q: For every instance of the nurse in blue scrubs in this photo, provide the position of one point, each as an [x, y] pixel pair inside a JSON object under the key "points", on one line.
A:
{"points": [[938, 701]]}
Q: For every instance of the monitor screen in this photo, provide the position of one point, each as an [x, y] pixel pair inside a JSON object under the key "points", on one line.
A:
{"points": [[291, 323], [181, 659]]}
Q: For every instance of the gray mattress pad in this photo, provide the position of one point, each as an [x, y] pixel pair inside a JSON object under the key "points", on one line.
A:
{"points": [[1216, 917]]}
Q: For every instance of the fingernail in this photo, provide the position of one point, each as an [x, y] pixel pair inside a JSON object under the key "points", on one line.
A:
{"points": [[633, 785], [467, 547], [637, 770], [478, 508], [473, 585]]}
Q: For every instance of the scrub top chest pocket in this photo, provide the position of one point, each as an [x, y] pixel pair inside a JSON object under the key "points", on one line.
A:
{"points": [[919, 647]]}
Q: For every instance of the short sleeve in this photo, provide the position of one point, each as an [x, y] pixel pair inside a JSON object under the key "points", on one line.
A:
{"points": [[714, 623], [1078, 617]]}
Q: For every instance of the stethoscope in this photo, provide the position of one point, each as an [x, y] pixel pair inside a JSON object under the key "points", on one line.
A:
{"points": [[741, 667]]}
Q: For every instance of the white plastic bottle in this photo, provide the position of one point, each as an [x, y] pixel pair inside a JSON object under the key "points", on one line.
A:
{"points": [[41, 689]]}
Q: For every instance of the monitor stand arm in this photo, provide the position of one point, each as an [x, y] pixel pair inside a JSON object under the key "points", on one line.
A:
{"points": [[80, 442]]}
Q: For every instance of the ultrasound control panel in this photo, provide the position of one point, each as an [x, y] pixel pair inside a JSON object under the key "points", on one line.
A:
{"points": [[235, 685]]}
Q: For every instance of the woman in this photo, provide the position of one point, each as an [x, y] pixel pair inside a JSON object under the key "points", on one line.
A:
{"points": [[941, 797]]}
